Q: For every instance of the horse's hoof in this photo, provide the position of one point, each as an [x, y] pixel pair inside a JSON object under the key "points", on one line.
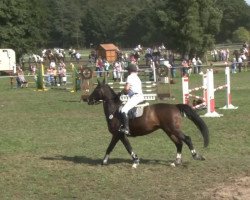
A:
{"points": [[177, 162], [172, 164], [135, 165], [198, 157], [104, 163]]}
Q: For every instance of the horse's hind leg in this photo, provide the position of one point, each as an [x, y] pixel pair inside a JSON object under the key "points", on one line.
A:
{"points": [[189, 143], [128, 146], [178, 137], [187, 140], [110, 148], [178, 143]]}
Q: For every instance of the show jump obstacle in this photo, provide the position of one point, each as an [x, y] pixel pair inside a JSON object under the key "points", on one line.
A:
{"points": [[208, 98]]}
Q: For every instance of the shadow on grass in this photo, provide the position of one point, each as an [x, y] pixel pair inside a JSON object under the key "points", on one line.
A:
{"points": [[90, 161]]}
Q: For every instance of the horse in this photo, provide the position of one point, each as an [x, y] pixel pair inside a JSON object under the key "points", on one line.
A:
{"points": [[47, 54], [163, 116]]}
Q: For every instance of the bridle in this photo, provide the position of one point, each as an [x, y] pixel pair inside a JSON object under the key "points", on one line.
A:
{"points": [[105, 100]]}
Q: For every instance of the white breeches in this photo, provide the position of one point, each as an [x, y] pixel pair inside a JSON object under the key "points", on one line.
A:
{"points": [[132, 102]]}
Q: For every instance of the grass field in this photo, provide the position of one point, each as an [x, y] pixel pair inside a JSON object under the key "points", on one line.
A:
{"points": [[51, 147]]}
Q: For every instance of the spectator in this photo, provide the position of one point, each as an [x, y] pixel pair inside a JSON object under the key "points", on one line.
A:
{"points": [[185, 68], [117, 68], [227, 55], [240, 63], [99, 67], [214, 53], [194, 63], [21, 81], [234, 66], [244, 61], [62, 74], [54, 72], [199, 65], [49, 74], [52, 64], [33, 70], [106, 67], [78, 57]]}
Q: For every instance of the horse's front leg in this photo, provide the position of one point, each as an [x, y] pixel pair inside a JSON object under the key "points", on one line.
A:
{"points": [[128, 146], [110, 148]]}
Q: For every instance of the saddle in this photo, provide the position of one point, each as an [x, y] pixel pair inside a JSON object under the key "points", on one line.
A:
{"points": [[136, 111]]}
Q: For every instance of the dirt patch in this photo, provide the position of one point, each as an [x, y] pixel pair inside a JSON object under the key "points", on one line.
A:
{"points": [[238, 189]]}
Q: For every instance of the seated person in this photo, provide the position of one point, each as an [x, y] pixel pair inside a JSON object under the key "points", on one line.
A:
{"points": [[21, 81]]}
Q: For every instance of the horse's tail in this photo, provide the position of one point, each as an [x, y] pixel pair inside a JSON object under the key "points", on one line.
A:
{"points": [[198, 121]]}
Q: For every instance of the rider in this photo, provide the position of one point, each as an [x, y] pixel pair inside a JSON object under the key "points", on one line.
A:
{"points": [[133, 88]]}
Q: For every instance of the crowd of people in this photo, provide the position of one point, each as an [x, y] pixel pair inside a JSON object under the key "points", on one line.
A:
{"points": [[55, 73]]}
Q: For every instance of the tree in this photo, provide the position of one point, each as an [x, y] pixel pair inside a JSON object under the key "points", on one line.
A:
{"points": [[20, 25], [190, 25], [144, 28], [236, 13], [66, 22], [241, 35]]}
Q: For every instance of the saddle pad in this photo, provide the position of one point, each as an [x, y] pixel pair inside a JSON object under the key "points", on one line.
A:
{"points": [[137, 111]]}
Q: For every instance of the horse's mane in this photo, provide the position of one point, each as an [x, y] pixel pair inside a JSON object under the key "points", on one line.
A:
{"points": [[114, 95]]}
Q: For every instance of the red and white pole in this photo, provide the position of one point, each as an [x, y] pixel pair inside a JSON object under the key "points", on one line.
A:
{"points": [[228, 91], [210, 95], [185, 90]]}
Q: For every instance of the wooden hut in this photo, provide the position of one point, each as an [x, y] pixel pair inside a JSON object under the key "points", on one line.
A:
{"points": [[107, 51]]}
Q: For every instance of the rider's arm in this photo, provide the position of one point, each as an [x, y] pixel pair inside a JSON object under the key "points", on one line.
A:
{"points": [[126, 88]]}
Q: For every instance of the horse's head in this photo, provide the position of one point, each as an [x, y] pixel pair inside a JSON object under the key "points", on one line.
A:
{"points": [[102, 92]]}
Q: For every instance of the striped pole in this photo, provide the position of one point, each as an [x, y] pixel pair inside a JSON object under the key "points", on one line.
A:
{"points": [[185, 90], [204, 80], [228, 91], [210, 95]]}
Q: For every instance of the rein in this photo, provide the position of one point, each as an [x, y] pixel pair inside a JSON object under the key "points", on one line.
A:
{"points": [[112, 106]]}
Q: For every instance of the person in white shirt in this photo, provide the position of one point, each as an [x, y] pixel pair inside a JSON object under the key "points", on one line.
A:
{"points": [[194, 62], [199, 65], [240, 63], [117, 71], [78, 57], [133, 88]]}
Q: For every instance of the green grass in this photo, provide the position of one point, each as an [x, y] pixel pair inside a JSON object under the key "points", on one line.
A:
{"points": [[51, 147]]}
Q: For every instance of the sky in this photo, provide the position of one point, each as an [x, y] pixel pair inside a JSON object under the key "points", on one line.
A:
{"points": [[248, 2]]}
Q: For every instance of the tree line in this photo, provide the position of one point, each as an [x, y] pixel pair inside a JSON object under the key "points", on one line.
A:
{"points": [[185, 26]]}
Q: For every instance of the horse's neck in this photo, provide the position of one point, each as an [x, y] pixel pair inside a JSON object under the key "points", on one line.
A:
{"points": [[110, 107], [111, 104]]}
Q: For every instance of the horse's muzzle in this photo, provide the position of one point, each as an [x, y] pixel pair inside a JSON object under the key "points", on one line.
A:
{"points": [[93, 102], [90, 102]]}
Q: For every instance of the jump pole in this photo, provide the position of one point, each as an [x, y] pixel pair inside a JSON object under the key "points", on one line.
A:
{"points": [[40, 79], [210, 96], [74, 78], [228, 91], [186, 91]]}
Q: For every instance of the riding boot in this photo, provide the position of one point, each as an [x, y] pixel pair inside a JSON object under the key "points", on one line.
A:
{"points": [[125, 126]]}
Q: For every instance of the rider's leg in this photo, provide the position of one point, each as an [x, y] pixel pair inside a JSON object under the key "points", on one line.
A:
{"points": [[132, 102], [125, 122]]}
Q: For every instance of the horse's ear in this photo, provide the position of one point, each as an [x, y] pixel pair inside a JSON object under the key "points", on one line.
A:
{"points": [[98, 82]]}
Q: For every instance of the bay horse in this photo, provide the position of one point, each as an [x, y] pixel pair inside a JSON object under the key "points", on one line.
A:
{"points": [[156, 116]]}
